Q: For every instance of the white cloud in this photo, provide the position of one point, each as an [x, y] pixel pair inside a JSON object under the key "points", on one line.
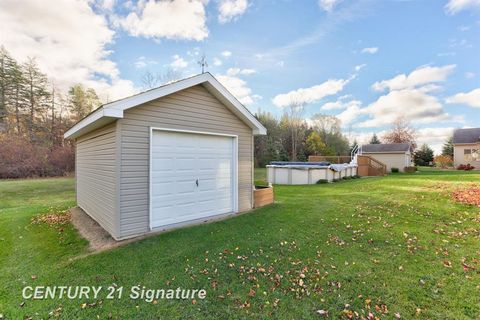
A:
{"points": [[469, 75], [178, 62], [142, 62], [420, 76], [446, 54], [217, 62], [351, 109], [311, 94], [455, 6], [328, 5], [434, 137], [106, 4], [360, 67], [226, 53], [71, 50], [229, 10], [179, 19], [239, 88], [352, 112], [414, 105], [333, 105], [237, 71], [371, 50], [363, 137], [339, 104], [471, 98]]}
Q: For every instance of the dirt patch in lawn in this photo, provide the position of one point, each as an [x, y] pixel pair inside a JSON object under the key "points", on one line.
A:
{"points": [[98, 238]]}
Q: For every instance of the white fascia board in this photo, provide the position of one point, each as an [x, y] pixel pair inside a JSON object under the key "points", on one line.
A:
{"points": [[98, 118], [235, 106], [386, 152], [465, 144], [153, 94]]}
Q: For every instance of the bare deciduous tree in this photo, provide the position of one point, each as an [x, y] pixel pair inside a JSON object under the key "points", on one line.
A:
{"points": [[294, 116], [150, 80], [401, 132]]}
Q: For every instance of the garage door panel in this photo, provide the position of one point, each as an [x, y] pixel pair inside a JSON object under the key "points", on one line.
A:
{"points": [[162, 163], [178, 160], [162, 188], [185, 187]]}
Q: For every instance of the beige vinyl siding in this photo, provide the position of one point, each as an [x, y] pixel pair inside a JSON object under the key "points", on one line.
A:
{"points": [[96, 174], [190, 109], [391, 160], [459, 155]]}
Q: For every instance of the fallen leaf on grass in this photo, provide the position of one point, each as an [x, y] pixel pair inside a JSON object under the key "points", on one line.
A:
{"points": [[469, 195], [52, 218], [322, 313]]}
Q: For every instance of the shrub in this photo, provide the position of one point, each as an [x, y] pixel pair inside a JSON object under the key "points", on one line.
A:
{"points": [[19, 158], [322, 181], [395, 170], [443, 161], [61, 160], [411, 169], [466, 167]]}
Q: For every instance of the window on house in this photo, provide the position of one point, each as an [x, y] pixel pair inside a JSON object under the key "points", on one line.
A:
{"points": [[471, 154], [476, 155]]}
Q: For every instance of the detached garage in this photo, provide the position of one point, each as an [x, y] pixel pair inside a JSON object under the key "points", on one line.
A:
{"points": [[171, 156]]}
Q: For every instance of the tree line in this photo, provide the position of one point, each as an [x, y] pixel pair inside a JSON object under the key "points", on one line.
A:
{"points": [[291, 138], [34, 115]]}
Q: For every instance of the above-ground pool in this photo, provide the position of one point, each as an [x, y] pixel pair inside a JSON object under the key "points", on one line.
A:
{"points": [[282, 172]]}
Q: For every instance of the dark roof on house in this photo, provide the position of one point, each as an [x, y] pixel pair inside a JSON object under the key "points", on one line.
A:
{"points": [[385, 147], [466, 136]]}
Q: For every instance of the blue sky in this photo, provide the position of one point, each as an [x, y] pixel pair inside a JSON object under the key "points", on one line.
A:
{"points": [[365, 61]]}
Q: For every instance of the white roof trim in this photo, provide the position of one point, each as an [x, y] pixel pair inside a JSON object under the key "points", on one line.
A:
{"points": [[114, 110], [397, 152]]}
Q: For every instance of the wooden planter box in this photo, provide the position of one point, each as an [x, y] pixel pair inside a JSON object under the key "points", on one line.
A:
{"points": [[262, 196]]}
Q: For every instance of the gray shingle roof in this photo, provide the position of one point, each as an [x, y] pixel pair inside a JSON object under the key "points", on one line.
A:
{"points": [[386, 147], [466, 135]]}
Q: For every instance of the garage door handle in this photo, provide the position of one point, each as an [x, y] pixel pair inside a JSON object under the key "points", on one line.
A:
{"points": [[196, 182]]}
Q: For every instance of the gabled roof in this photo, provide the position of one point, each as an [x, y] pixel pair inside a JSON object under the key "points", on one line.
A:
{"points": [[461, 136], [386, 148], [114, 110]]}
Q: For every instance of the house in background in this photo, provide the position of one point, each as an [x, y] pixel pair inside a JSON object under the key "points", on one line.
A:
{"points": [[393, 155], [466, 147]]}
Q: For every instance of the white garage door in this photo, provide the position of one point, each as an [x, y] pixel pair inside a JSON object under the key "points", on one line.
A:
{"points": [[192, 176]]}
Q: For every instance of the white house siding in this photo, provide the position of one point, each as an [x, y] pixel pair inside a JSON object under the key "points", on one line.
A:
{"points": [[190, 109], [96, 176], [392, 160], [459, 155]]}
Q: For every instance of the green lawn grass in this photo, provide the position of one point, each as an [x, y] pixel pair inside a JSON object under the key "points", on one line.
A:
{"points": [[395, 244]]}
